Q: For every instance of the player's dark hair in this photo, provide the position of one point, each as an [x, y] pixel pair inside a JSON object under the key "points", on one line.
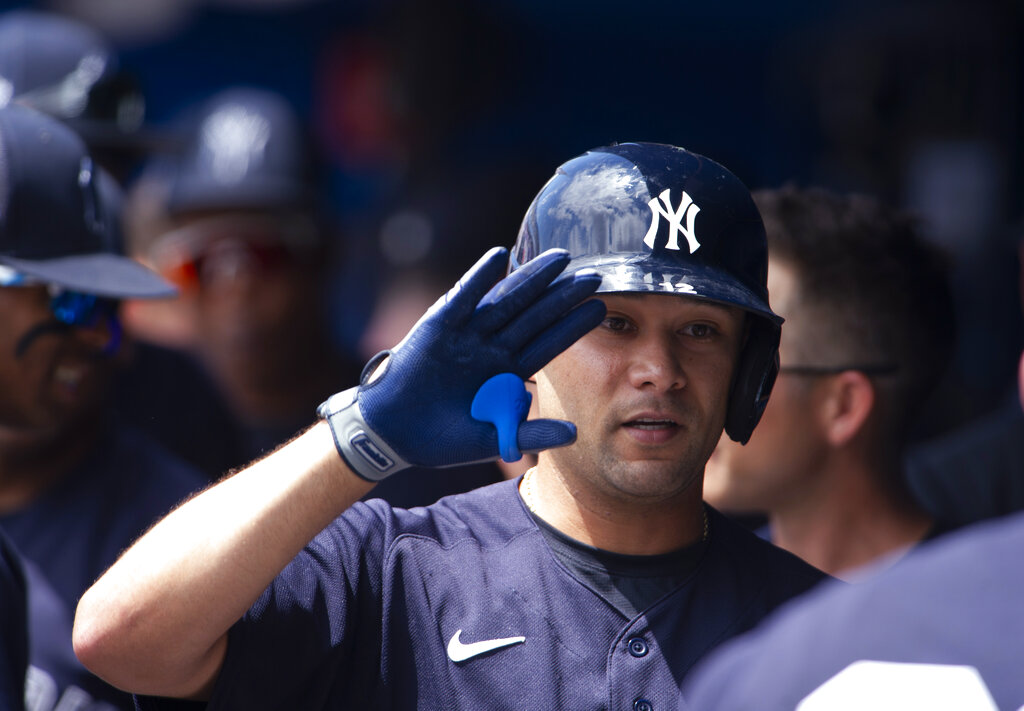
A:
{"points": [[877, 291]]}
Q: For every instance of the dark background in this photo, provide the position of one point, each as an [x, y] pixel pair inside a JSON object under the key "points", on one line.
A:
{"points": [[457, 111]]}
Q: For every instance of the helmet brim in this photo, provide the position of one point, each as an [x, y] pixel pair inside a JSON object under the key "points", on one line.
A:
{"points": [[638, 273]]}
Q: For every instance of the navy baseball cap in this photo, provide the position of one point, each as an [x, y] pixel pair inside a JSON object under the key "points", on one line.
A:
{"points": [[64, 68], [58, 213], [247, 150]]}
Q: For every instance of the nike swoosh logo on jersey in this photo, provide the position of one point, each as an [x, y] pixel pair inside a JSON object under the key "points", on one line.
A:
{"points": [[459, 652]]}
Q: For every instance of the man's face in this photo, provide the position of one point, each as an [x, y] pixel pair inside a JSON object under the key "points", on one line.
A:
{"points": [[648, 392], [59, 376], [255, 297], [783, 451]]}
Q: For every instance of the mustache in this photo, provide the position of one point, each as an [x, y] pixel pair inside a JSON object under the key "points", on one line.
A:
{"points": [[56, 327]]}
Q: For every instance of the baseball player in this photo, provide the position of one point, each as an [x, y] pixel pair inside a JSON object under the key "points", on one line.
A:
{"points": [[857, 367], [942, 631], [71, 494], [595, 581], [62, 67]]}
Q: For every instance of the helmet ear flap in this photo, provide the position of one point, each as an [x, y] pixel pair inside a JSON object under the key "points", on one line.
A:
{"points": [[755, 376]]}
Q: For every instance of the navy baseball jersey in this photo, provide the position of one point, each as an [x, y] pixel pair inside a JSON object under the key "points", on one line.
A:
{"points": [[78, 528], [944, 629], [69, 536], [464, 605]]}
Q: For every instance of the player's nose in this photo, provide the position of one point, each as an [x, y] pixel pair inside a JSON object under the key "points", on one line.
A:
{"points": [[654, 363]]}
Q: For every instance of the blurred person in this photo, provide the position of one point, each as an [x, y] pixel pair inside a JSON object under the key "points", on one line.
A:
{"points": [[597, 580], [253, 250], [941, 631], [868, 333], [77, 485], [63, 67]]}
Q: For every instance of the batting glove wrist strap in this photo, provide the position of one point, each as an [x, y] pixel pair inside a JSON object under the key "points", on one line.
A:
{"points": [[363, 450]]}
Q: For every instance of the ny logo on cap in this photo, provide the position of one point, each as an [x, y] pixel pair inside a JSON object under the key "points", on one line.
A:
{"points": [[661, 206], [235, 138]]}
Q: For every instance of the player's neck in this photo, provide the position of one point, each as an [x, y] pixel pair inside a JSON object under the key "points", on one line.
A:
{"points": [[846, 527], [630, 529]]}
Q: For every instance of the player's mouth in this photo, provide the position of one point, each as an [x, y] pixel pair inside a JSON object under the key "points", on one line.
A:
{"points": [[74, 376], [70, 376], [654, 428]]}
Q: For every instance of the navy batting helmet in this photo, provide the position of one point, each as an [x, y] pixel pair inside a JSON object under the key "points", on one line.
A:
{"points": [[656, 218]]}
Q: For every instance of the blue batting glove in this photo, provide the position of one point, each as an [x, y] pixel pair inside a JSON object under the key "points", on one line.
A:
{"points": [[416, 412]]}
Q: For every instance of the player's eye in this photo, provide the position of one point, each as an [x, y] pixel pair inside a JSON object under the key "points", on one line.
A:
{"points": [[616, 323], [700, 330]]}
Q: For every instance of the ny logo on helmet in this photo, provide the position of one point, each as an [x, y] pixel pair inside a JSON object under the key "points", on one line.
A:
{"points": [[661, 206]]}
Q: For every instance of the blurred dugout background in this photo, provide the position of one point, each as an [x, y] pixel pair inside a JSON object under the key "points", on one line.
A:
{"points": [[439, 120]]}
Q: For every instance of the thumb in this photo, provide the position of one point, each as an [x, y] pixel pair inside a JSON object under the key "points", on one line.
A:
{"points": [[535, 435]]}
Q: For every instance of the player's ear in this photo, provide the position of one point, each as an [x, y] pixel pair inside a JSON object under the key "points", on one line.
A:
{"points": [[849, 402]]}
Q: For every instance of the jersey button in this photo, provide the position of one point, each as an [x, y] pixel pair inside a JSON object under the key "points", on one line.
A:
{"points": [[643, 705], [637, 647]]}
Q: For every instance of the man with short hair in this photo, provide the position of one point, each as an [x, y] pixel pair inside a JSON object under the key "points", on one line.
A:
{"points": [[942, 630], [868, 335], [595, 581]]}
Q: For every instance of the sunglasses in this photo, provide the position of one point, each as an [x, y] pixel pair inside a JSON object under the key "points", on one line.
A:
{"points": [[226, 259], [219, 248], [77, 309], [72, 308]]}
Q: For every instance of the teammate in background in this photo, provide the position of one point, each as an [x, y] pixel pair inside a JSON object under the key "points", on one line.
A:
{"points": [[76, 485], [942, 631], [253, 248], [64, 68], [595, 581], [868, 334], [253, 251]]}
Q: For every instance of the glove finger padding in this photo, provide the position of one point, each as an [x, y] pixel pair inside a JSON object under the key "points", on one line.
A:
{"points": [[538, 435], [417, 411]]}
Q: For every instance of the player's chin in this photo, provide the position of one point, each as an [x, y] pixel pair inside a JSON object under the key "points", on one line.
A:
{"points": [[658, 478]]}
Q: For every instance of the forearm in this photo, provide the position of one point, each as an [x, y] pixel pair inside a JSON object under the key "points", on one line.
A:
{"points": [[157, 621]]}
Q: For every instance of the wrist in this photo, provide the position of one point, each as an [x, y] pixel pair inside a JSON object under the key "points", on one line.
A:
{"points": [[363, 450]]}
